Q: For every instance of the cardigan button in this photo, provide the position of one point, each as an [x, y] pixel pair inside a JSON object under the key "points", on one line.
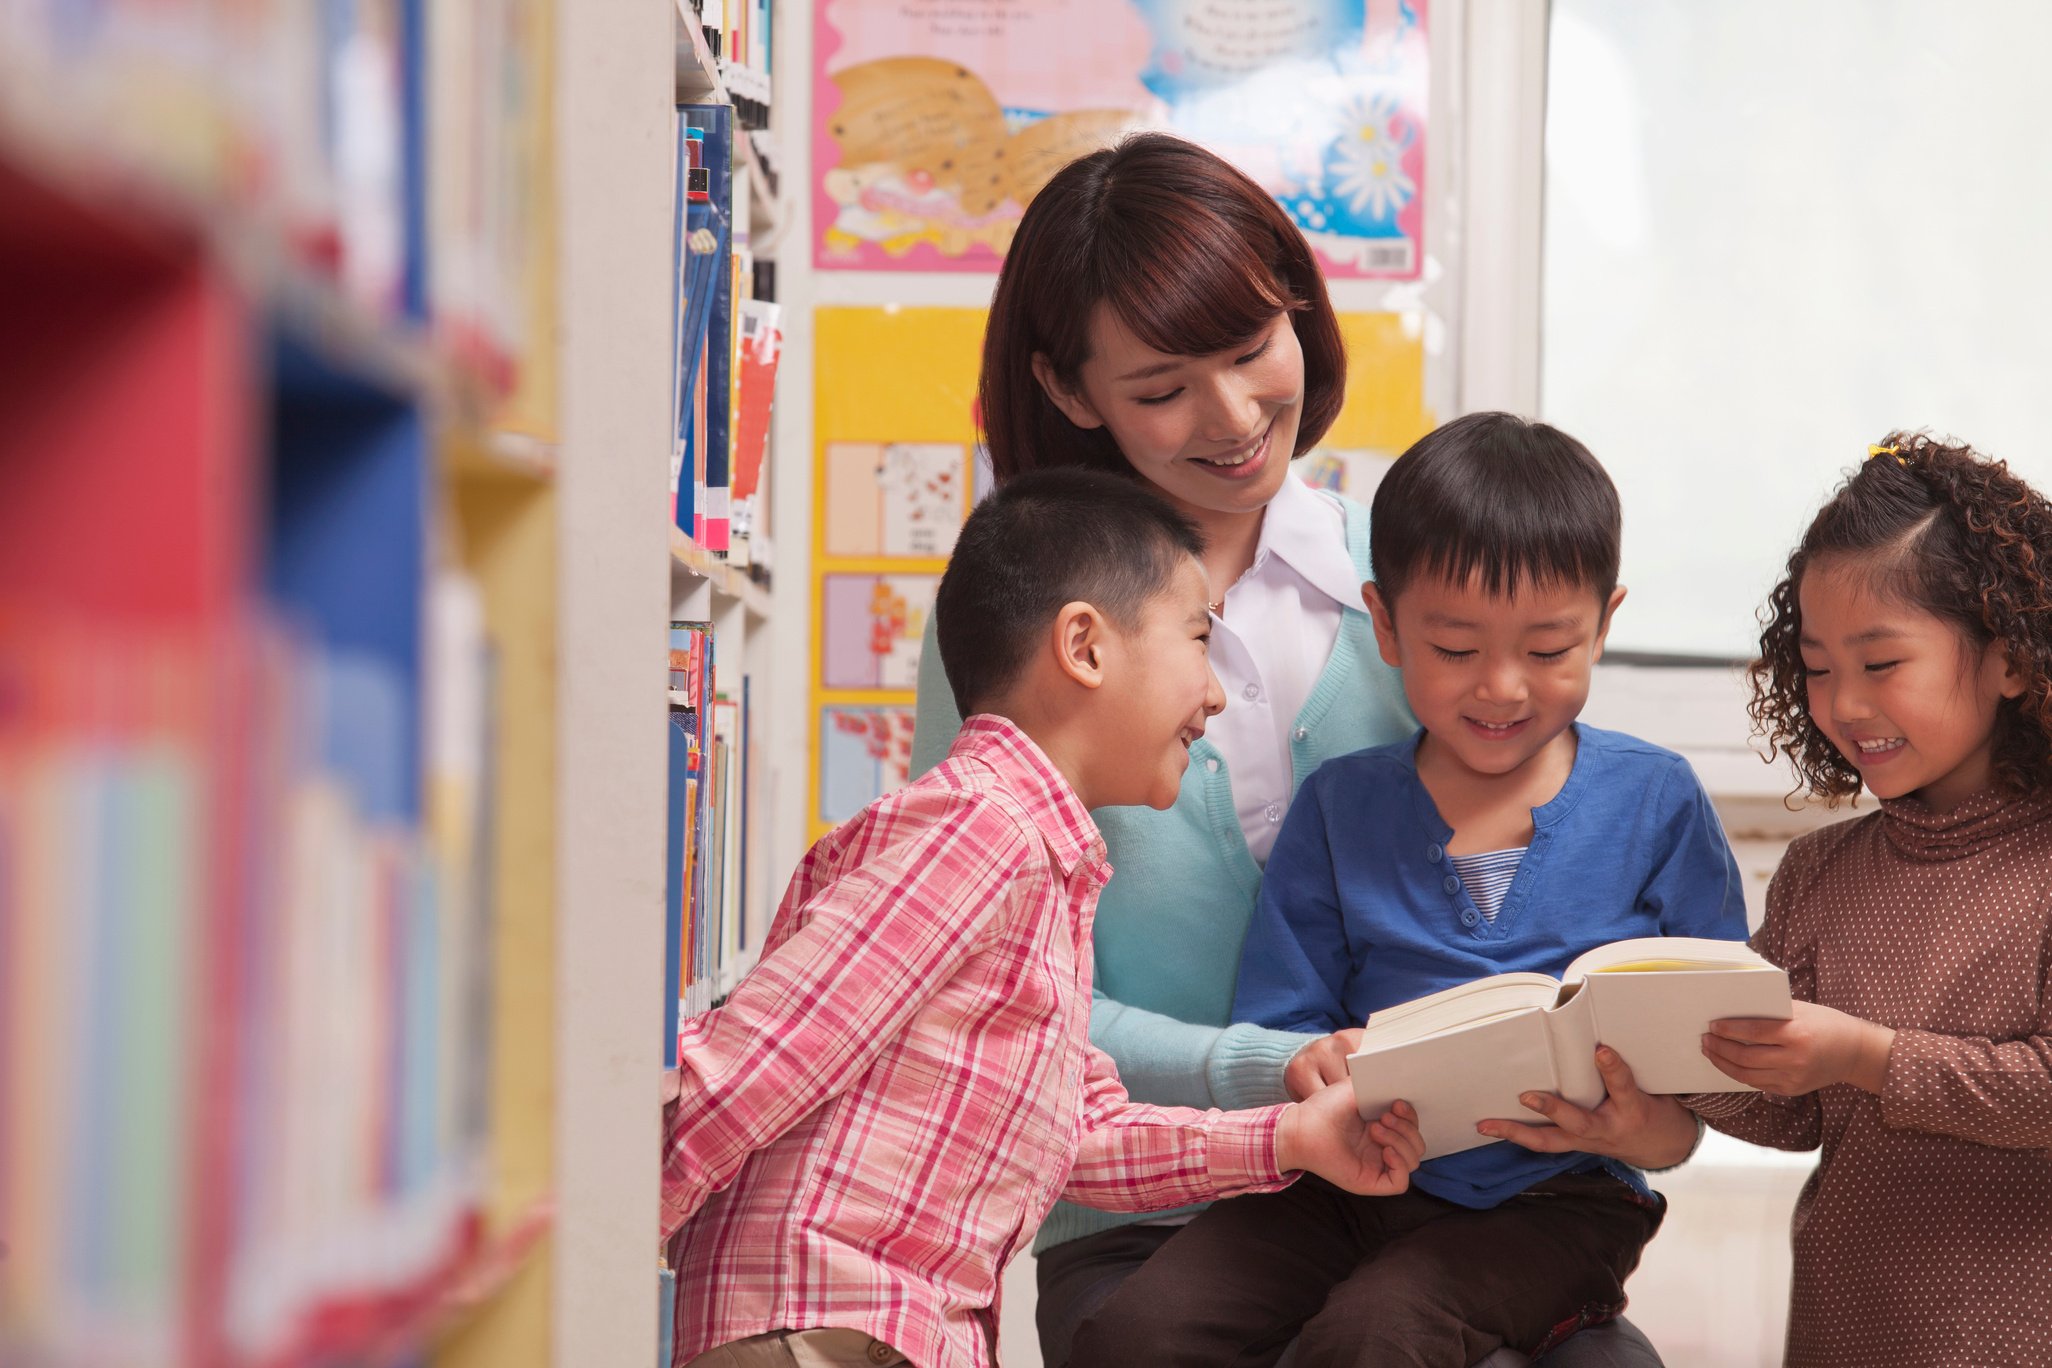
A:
{"points": [[1450, 884], [1211, 766], [1302, 732], [1433, 852], [1468, 917]]}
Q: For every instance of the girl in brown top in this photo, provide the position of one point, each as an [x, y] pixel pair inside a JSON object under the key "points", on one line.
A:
{"points": [[1908, 652]]}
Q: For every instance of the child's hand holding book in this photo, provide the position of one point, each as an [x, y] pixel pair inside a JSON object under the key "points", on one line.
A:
{"points": [[1639, 1128], [1326, 1135], [1817, 1047], [1320, 1062]]}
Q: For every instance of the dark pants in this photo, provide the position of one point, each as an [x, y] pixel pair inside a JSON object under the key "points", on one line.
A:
{"points": [[1355, 1280]]}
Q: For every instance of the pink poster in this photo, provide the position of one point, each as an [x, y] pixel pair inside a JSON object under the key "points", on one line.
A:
{"points": [[936, 121]]}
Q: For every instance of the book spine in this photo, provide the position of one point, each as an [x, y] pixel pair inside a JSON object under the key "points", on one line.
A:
{"points": [[719, 126]]}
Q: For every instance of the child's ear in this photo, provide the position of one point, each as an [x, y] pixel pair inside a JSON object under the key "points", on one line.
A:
{"points": [[1079, 641], [1617, 596], [2011, 683], [1073, 405], [1385, 624]]}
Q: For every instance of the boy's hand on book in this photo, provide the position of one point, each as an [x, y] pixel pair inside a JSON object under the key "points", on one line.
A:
{"points": [[1643, 1130], [1325, 1135], [1817, 1047], [1320, 1063]]}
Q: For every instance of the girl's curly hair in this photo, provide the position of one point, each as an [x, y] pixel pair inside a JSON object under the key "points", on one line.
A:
{"points": [[1954, 534]]}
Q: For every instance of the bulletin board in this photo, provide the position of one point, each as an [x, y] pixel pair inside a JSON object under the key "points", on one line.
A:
{"points": [[896, 470], [935, 122]]}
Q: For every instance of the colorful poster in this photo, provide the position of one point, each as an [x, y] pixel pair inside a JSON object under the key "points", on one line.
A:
{"points": [[896, 470], [863, 752], [899, 499], [870, 629], [937, 121]]}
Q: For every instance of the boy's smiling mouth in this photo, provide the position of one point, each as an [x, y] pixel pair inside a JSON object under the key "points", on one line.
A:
{"points": [[1496, 731]]}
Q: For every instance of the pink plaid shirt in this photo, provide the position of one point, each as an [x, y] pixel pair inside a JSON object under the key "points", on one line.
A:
{"points": [[889, 1104]]}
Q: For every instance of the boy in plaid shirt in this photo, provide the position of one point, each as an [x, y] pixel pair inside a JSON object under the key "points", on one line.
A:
{"points": [[887, 1106]]}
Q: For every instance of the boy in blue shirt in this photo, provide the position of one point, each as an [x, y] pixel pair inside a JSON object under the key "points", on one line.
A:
{"points": [[1504, 836]]}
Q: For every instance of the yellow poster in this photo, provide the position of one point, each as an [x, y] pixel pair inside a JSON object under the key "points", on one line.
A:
{"points": [[895, 471]]}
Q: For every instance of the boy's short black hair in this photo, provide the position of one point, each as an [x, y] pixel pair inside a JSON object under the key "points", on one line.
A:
{"points": [[1045, 539], [1518, 503]]}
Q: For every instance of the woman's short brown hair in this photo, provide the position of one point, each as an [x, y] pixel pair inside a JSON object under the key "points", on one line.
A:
{"points": [[1190, 254]]}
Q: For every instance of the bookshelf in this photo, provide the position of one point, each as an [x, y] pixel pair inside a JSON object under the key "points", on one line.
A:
{"points": [[334, 580]]}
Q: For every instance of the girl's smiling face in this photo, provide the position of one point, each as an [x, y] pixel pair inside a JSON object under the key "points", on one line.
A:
{"points": [[1901, 694], [1214, 433]]}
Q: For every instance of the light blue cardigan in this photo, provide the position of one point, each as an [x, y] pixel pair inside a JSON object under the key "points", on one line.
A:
{"points": [[1171, 921]]}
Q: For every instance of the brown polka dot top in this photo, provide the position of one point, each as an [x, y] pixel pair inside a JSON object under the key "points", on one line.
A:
{"points": [[1925, 1236]]}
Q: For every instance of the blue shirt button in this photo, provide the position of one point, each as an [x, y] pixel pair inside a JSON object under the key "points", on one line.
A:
{"points": [[1433, 852], [1451, 884], [1468, 918]]}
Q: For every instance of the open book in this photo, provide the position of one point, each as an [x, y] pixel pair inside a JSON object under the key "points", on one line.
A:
{"points": [[1463, 1054]]}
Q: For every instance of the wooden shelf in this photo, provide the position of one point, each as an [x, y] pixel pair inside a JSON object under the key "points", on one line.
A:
{"points": [[698, 71], [493, 457], [746, 82], [688, 558]]}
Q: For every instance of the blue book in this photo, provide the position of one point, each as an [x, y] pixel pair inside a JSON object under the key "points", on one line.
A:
{"points": [[676, 898], [716, 441], [666, 1315]]}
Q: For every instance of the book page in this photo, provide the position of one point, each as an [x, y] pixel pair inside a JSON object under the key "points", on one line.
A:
{"points": [[1664, 954], [1464, 1004]]}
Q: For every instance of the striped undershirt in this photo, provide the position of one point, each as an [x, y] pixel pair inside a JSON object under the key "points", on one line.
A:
{"points": [[1488, 877]]}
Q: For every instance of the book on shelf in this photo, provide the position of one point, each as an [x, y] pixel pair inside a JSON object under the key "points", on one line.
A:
{"points": [[666, 1313], [726, 346], [727, 741], [711, 757], [1466, 1053], [760, 349], [689, 729], [230, 949], [715, 448]]}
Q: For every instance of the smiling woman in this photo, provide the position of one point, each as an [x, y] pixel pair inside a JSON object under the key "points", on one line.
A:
{"points": [[1159, 316]]}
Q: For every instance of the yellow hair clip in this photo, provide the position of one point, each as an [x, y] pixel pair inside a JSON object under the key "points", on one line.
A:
{"points": [[1874, 451]]}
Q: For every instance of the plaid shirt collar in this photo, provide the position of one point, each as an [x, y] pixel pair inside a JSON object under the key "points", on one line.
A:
{"points": [[1064, 824]]}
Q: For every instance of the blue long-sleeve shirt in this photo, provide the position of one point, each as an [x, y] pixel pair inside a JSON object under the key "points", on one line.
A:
{"points": [[1360, 908]]}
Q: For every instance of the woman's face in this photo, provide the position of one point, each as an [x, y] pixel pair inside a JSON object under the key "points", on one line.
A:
{"points": [[1214, 433]]}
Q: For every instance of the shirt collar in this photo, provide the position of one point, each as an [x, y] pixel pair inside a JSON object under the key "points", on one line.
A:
{"points": [[1298, 529], [1064, 823]]}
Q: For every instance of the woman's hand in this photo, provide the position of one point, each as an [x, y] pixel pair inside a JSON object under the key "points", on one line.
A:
{"points": [[1325, 1135], [1322, 1062], [1816, 1048], [1643, 1130]]}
